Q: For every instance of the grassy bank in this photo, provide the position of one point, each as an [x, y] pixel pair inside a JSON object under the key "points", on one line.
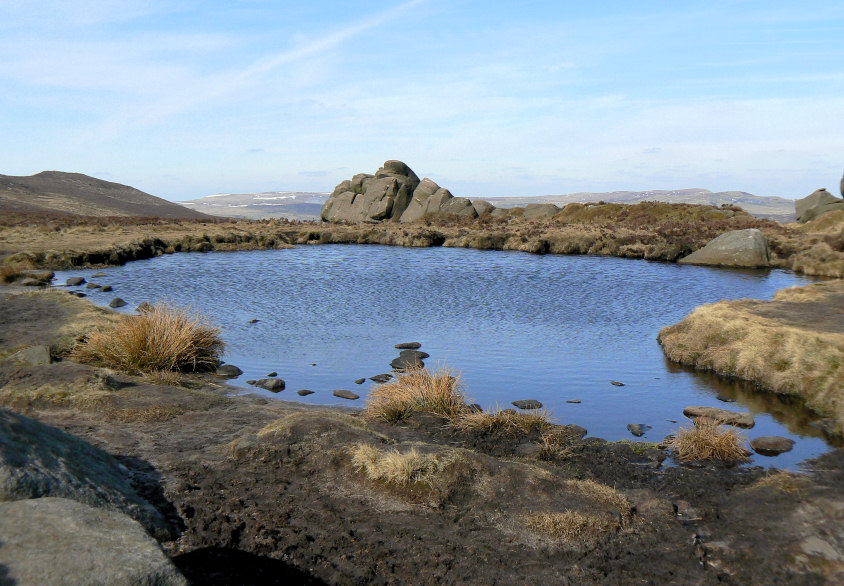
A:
{"points": [[792, 345], [649, 230]]}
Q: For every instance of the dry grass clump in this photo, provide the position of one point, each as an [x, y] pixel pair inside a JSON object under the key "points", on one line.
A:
{"points": [[164, 339], [600, 493], [783, 482], [569, 526], [504, 421], [417, 390], [557, 442], [10, 273], [398, 468], [707, 440]]}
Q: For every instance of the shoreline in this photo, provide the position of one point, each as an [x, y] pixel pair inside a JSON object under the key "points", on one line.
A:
{"points": [[275, 483]]}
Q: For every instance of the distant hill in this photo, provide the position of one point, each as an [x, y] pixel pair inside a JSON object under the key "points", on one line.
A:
{"points": [[55, 192], [775, 208], [293, 205]]}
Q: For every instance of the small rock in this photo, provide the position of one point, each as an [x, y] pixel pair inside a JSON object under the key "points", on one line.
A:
{"points": [[671, 420], [725, 399], [409, 346], [304, 392], [75, 281], [685, 511], [273, 374], [92, 286], [722, 416], [527, 404], [381, 378], [771, 445], [344, 394], [251, 382], [254, 321], [638, 429], [105, 288], [271, 384], [228, 371], [34, 355], [144, 307], [406, 362], [117, 302], [616, 383], [79, 294], [573, 401], [360, 381], [100, 274], [313, 363]]}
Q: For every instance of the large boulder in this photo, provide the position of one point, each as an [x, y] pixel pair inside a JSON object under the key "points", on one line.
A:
{"points": [[61, 541], [396, 194], [37, 460], [818, 203], [739, 248], [540, 210]]}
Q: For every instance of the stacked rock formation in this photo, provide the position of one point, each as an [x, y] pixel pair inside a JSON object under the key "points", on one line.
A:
{"points": [[396, 194]]}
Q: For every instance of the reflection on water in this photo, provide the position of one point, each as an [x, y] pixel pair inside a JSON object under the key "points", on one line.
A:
{"points": [[517, 326]]}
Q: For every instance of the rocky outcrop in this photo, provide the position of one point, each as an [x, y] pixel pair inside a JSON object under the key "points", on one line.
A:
{"points": [[818, 203], [38, 460], [396, 194], [739, 248], [61, 541]]}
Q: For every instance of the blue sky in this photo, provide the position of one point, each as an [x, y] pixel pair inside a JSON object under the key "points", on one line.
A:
{"points": [[488, 98]]}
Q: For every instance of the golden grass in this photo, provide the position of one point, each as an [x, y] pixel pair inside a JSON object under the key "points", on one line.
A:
{"points": [[436, 392], [600, 493], [569, 526], [504, 421], [730, 339], [164, 339], [707, 440], [557, 442], [784, 482], [10, 273], [401, 468]]}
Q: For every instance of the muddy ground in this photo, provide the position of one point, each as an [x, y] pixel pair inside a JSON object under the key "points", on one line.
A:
{"points": [[264, 492]]}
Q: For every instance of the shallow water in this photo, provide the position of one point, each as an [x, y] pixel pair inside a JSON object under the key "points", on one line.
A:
{"points": [[516, 325]]}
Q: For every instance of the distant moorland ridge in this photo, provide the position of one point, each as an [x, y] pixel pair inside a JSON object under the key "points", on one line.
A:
{"points": [[56, 192]]}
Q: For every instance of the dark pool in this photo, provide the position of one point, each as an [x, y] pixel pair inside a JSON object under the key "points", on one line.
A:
{"points": [[516, 325]]}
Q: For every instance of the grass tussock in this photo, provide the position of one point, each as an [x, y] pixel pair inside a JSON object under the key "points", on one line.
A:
{"points": [[602, 494], [569, 526], [161, 340], [400, 468], [707, 440], [416, 390], [504, 421], [784, 482], [558, 441]]}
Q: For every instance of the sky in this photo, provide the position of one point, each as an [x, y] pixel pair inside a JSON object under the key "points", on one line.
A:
{"points": [[487, 98]]}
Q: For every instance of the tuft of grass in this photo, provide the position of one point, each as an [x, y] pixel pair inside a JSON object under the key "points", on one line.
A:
{"points": [[557, 442], [504, 421], [398, 468], [10, 273], [160, 340], [569, 526], [601, 493], [436, 392], [708, 440]]}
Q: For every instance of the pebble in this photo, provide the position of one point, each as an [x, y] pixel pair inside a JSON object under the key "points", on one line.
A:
{"points": [[616, 383], [344, 394]]}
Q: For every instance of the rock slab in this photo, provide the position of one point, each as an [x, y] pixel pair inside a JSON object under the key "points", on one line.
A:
{"points": [[722, 416], [527, 404], [344, 394], [771, 445], [60, 541], [737, 248], [34, 355]]}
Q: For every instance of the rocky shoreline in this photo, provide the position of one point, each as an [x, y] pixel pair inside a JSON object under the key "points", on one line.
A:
{"points": [[252, 490]]}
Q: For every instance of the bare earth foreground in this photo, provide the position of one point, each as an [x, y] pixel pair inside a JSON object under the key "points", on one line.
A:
{"points": [[262, 491]]}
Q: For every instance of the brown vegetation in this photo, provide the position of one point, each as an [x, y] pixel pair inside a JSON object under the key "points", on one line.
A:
{"points": [[707, 440], [504, 421], [417, 390], [160, 340]]}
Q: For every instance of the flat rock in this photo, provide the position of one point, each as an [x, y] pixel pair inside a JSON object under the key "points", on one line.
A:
{"points": [[381, 378], [344, 394], [228, 371], [527, 404], [38, 460], [615, 383], [254, 321], [409, 346], [274, 385], [575, 401], [407, 361], [106, 288], [360, 381], [638, 429], [304, 392], [99, 274], [771, 445], [722, 416], [75, 281], [60, 541], [92, 286], [737, 248], [30, 282], [117, 302], [34, 355]]}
